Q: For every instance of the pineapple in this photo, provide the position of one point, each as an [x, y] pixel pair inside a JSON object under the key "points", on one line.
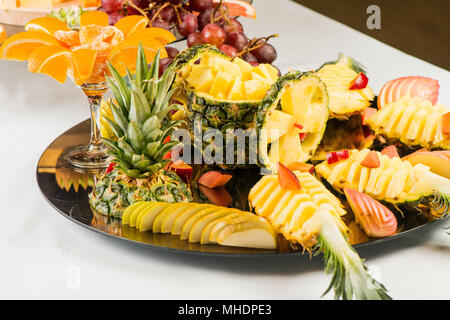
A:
{"points": [[337, 76], [311, 216], [413, 121], [140, 127], [394, 180], [291, 119]]}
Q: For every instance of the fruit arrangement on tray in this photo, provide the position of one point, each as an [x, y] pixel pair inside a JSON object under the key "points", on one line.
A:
{"points": [[219, 149]]}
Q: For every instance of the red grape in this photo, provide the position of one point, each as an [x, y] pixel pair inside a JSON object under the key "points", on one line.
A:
{"points": [[157, 23], [112, 5], [114, 17], [265, 53], [200, 5], [167, 14], [194, 39], [172, 52], [142, 4], [213, 34], [249, 58], [163, 65], [229, 50], [204, 17], [232, 25], [188, 24], [238, 40]]}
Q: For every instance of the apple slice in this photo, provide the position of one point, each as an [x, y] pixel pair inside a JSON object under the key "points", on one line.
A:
{"points": [[183, 170], [196, 232], [135, 214], [376, 220], [147, 217], [287, 179], [301, 166], [129, 210], [184, 216], [390, 151], [214, 179], [438, 161], [169, 219], [366, 114], [187, 226], [360, 82], [176, 207], [445, 123], [209, 234], [218, 196], [371, 160]]}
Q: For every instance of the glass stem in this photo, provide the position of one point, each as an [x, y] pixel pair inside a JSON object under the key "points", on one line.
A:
{"points": [[96, 137]]}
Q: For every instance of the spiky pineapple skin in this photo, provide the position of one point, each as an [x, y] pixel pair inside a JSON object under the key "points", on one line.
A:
{"points": [[115, 191]]}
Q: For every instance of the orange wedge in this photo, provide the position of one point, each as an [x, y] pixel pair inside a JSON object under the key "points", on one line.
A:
{"points": [[83, 64], [3, 35], [239, 8], [46, 24], [68, 38], [98, 18], [21, 45], [124, 56], [162, 35], [89, 3], [50, 60], [131, 24]]}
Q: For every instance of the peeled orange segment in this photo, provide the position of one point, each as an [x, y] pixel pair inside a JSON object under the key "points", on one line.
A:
{"points": [[92, 33], [83, 61], [98, 18], [46, 24], [124, 56], [162, 35], [239, 8], [102, 48], [68, 38], [131, 24], [50, 60], [21, 45], [113, 36], [3, 35]]}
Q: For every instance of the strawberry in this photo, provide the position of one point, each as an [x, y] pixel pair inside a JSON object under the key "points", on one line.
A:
{"points": [[390, 151], [376, 219], [213, 179], [421, 87], [287, 179], [371, 160]]}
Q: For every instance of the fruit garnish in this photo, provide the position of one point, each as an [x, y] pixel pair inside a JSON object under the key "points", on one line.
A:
{"points": [[213, 179], [366, 114], [218, 196], [342, 155], [301, 166], [239, 8], [110, 167], [83, 64], [130, 24], [68, 38], [53, 61], [287, 179], [390, 151], [303, 135], [298, 126], [445, 123], [98, 18], [360, 82], [376, 219], [371, 160], [421, 87], [183, 170], [21, 45], [46, 24], [332, 157], [438, 161], [3, 34]]}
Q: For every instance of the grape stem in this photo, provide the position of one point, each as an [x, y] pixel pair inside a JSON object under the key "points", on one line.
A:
{"points": [[141, 11], [253, 44]]}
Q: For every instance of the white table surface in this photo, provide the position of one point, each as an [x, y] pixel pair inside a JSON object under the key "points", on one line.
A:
{"points": [[41, 253]]}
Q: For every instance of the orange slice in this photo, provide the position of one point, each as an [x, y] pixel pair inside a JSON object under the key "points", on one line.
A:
{"points": [[131, 24], [239, 8], [89, 3], [21, 45], [98, 18], [50, 60], [83, 63], [163, 35], [3, 35], [46, 24], [68, 38], [124, 56]]}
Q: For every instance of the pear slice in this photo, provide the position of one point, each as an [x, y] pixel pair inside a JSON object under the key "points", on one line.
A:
{"points": [[187, 226], [129, 210], [157, 224], [182, 218], [169, 219], [253, 233], [197, 229], [135, 214], [236, 218], [217, 225], [148, 216]]}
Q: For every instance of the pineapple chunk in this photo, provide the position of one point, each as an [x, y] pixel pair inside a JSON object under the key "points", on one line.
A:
{"points": [[277, 124], [255, 89], [287, 150], [246, 68], [201, 77], [266, 71], [221, 85], [237, 91], [228, 67]]}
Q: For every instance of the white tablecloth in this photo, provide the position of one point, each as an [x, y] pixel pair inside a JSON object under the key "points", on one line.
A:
{"points": [[43, 255]]}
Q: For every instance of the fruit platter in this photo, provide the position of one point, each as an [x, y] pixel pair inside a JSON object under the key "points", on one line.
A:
{"points": [[212, 150]]}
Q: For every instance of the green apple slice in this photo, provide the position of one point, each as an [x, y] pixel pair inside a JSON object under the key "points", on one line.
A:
{"points": [[129, 210], [250, 234], [169, 219], [187, 226], [182, 218], [148, 217], [236, 218], [142, 211], [135, 214], [206, 233], [157, 224], [196, 232]]}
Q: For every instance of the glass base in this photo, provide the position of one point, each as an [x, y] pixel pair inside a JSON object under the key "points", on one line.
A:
{"points": [[87, 158]]}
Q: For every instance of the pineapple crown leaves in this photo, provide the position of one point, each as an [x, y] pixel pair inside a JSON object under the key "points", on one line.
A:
{"points": [[441, 205], [349, 280], [140, 108]]}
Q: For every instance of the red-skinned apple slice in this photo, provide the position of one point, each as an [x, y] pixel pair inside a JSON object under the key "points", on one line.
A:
{"points": [[183, 170], [214, 179], [438, 161], [287, 179], [376, 219], [301, 166], [218, 196], [371, 160], [421, 87], [390, 151], [445, 123]]}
